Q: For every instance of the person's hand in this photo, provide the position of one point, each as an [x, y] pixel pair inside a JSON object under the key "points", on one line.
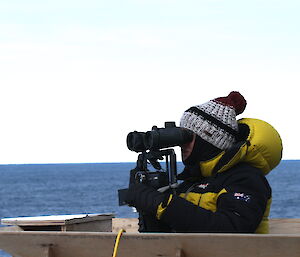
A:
{"points": [[144, 198]]}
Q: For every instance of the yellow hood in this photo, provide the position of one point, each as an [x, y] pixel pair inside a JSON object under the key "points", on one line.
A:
{"points": [[262, 149]]}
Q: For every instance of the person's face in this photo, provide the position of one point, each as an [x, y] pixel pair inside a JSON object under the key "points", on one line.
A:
{"points": [[187, 148]]}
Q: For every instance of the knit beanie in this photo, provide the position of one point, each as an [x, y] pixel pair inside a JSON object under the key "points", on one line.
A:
{"points": [[215, 121]]}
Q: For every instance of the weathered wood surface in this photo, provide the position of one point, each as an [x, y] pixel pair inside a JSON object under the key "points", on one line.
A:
{"points": [[92, 244], [56, 219], [284, 226], [285, 241], [80, 222], [130, 225]]}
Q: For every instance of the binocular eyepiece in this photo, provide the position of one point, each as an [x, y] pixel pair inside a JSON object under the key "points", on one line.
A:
{"points": [[158, 138]]}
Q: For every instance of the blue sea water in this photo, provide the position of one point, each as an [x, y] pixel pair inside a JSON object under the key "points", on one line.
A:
{"points": [[53, 189]]}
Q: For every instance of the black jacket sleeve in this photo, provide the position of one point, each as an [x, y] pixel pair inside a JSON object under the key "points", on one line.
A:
{"points": [[239, 210]]}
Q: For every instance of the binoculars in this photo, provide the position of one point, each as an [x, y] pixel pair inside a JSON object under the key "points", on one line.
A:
{"points": [[158, 138]]}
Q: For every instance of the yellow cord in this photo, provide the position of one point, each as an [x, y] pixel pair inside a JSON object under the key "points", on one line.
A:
{"points": [[117, 242]]}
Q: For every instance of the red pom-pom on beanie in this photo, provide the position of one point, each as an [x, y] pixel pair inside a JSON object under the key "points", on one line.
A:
{"points": [[234, 99]]}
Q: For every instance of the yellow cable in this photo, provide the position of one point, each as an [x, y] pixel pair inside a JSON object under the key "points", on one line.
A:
{"points": [[117, 242]]}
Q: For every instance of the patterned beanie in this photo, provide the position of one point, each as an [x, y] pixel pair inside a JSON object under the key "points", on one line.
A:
{"points": [[215, 121]]}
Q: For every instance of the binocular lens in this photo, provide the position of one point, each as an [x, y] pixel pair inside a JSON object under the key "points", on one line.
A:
{"points": [[135, 141]]}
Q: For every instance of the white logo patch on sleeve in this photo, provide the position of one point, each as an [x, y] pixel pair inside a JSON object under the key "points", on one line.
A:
{"points": [[242, 196]]}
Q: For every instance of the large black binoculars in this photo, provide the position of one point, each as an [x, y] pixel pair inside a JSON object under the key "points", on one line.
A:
{"points": [[158, 138]]}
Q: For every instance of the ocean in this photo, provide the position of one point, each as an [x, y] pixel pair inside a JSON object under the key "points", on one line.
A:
{"points": [[54, 189]]}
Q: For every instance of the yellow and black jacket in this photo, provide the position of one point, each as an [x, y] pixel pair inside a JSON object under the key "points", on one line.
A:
{"points": [[233, 195]]}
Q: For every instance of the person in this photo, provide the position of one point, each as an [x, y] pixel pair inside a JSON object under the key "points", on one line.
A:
{"points": [[224, 188]]}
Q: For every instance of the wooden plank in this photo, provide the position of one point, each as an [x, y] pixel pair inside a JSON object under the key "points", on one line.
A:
{"points": [[93, 226], [80, 222], [55, 219], [82, 244], [129, 225], [284, 226]]}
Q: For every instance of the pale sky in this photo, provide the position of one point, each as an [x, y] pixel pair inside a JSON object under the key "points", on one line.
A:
{"points": [[77, 76]]}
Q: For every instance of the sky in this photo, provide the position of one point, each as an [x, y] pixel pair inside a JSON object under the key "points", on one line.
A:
{"points": [[77, 76]]}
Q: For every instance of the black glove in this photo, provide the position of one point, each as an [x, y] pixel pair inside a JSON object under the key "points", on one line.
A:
{"points": [[148, 223], [144, 198]]}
